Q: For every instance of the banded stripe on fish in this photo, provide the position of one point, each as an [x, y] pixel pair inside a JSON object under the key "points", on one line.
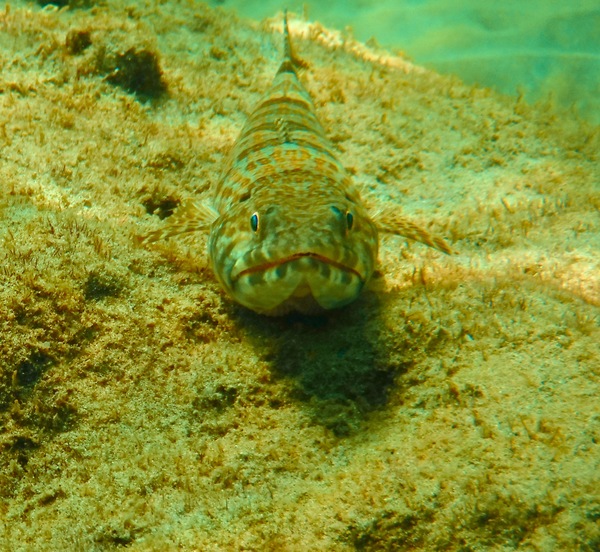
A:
{"points": [[288, 230]]}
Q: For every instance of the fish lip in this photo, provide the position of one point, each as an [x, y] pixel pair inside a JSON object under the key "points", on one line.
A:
{"points": [[321, 258]]}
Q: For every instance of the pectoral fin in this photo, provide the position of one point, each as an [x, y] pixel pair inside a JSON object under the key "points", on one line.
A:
{"points": [[391, 221], [190, 217]]}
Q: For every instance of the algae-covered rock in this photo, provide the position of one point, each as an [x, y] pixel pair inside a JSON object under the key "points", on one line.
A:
{"points": [[454, 406]]}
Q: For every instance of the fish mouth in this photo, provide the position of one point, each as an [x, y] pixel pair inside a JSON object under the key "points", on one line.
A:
{"points": [[284, 260]]}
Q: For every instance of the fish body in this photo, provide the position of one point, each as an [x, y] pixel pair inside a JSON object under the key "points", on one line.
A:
{"points": [[293, 233], [288, 229]]}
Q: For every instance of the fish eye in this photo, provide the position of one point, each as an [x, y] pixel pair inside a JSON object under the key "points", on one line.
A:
{"points": [[349, 220], [254, 222]]}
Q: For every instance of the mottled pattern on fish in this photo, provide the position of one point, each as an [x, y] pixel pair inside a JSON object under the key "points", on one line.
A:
{"points": [[288, 230]]}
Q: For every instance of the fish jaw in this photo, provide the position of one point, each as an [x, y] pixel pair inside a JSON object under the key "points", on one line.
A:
{"points": [[305, 282]]}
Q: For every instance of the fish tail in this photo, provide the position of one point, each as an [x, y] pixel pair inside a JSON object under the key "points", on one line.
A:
{"points": [[287, 45], [290, 61]]}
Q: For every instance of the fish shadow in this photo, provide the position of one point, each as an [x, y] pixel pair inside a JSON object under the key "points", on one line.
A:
{"points": [[337, 364]]}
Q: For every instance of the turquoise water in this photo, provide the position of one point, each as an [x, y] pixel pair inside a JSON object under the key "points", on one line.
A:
{"points": [[541, 48]]}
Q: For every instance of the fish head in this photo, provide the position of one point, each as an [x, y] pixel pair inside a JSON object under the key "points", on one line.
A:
{"points": [[306, 254]]}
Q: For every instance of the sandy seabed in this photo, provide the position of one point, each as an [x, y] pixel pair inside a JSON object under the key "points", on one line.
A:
{"points": [[454, 406]]}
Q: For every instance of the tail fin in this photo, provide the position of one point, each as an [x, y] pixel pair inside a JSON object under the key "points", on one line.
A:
{"points": [[287, 45], [289, 61]]}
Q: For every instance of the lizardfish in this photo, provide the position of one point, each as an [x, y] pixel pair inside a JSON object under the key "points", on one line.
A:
{"points": [[287, 228]]}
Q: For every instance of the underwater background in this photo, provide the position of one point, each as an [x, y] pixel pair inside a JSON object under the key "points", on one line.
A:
{"points": [[539, 48], [453, 406]]}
